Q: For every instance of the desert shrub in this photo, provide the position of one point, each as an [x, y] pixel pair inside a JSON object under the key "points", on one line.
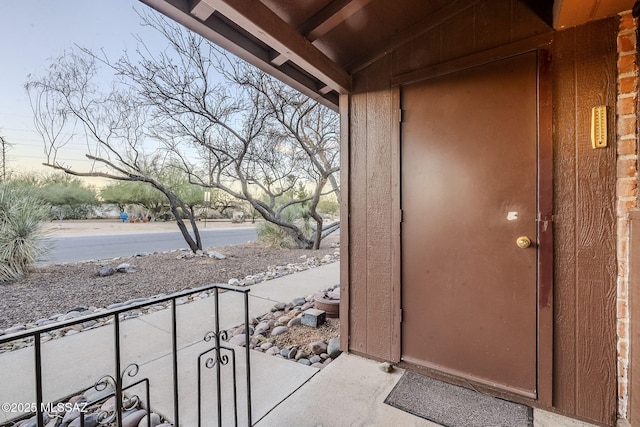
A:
{"points": [[69, 197], [22, 216], [329, 207], [276, 236]]}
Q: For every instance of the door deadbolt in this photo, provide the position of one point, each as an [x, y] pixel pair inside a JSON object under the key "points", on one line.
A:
{"points": [[523, 242]]}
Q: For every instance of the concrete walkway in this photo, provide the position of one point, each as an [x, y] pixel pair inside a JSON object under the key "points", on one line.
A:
{"points": [[348, 392], [76, 362]]}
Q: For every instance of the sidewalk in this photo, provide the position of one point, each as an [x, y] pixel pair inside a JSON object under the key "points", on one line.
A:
{"points": [[76, 362]]}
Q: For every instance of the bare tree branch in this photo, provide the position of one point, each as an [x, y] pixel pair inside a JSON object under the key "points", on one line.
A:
{"points": [[225, 124]]}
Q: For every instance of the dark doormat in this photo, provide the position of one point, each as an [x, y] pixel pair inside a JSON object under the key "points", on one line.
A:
{"points": [[454, 406]]}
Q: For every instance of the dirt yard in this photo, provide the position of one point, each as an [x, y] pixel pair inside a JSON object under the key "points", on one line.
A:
{"points": [[54, 289]]}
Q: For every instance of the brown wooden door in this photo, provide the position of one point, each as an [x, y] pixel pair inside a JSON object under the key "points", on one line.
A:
{"points": [[469, 161]]}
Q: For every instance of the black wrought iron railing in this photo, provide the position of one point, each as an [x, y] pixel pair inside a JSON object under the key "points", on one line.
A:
{"points": [[116, 384]]}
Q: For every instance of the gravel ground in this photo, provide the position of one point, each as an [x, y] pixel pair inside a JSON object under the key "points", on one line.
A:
{"points": [[53, 289]]}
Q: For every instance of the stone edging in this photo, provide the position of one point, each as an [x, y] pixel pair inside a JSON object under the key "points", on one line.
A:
{"points": [[283, 316], [272, 273]]}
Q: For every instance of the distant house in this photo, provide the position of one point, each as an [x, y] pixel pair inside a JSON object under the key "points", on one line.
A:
{"points": [[490, 233]]}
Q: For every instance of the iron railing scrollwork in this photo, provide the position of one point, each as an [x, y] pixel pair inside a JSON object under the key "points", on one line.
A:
{"points": [[218, 356], [127, 402], [126, 395]]}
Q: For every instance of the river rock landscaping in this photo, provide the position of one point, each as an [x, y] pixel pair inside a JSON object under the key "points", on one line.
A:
{"points": [[279, 332], [60, 292], [98, 409]]}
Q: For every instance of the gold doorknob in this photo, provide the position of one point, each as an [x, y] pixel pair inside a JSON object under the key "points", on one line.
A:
{"points": [[523, 242]]}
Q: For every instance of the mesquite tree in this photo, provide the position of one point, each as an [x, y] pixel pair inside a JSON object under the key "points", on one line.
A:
{"points": [[226, 124], [68, 98], [237, 129]]}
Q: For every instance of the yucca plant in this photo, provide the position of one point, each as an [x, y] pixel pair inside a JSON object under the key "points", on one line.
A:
{"points": [[22, 216]]}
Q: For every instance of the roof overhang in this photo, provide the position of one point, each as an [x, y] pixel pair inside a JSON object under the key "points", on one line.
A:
{"points": [[316, 45], [251, 31], [571, 13]]}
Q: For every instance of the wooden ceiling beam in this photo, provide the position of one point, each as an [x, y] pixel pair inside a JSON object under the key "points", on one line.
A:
{"points": [[324, 90], [278, 60], [261, 22], [334, 14], [201, 10], [433, 20], [234, 39], [322, 16]]}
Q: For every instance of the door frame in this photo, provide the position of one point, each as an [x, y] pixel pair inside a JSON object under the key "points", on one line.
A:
{"points": [[544, 194]]}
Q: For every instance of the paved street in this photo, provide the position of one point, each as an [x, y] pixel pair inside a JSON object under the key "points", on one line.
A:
{"points": [[79, 247]]}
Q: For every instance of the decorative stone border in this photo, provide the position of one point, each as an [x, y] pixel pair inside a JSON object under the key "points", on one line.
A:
{"points": [[272, 273], [283, 316]]}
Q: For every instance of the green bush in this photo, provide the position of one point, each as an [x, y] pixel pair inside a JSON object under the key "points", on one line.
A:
{"points": [[329, 207], [22, 216], [69, 197]]}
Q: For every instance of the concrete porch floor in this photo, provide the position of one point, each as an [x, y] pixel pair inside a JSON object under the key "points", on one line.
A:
{"points": [[351, 392], [348, 392]]}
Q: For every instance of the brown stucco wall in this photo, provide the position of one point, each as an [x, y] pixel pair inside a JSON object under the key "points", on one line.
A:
{"points": [[584, 75]]}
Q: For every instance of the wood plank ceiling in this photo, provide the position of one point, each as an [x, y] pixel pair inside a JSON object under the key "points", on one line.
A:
{"points": [[316, 45]]}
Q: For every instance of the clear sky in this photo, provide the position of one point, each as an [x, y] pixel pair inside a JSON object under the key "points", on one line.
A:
{"points": [[32, 32]]}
